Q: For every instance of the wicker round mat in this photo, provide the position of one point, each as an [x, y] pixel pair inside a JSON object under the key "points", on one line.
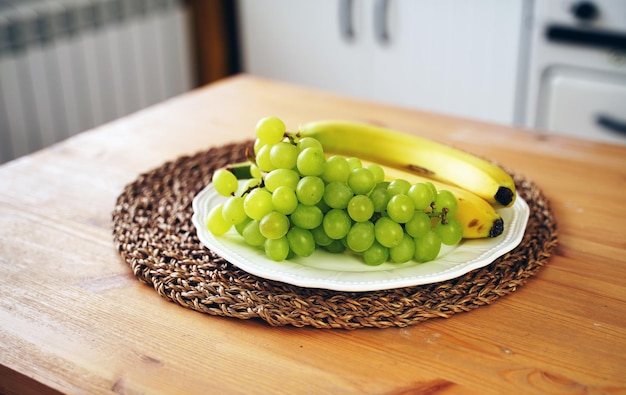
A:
{"points": [[154, 234]]}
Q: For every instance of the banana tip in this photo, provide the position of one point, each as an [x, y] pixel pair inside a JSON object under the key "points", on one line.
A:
{"points": [[504, 196], [497, 228]]}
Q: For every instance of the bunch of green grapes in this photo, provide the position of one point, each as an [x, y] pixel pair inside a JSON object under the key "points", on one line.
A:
{"points": [[299, 200]]}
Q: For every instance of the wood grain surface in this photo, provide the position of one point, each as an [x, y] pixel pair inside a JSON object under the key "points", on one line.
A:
{"points": [[74, 319]]}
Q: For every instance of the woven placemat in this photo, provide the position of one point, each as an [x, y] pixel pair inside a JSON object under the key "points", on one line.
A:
{"points": [[154, 234]]}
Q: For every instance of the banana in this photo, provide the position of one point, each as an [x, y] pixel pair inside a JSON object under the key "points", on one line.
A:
{"points": [[479, 218], [417, 155]]}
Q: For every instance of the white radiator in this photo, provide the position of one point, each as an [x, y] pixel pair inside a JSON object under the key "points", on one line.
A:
{"points": [[70, 65]]}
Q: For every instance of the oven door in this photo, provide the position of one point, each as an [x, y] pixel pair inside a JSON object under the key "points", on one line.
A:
{"points": [[585, 104]]}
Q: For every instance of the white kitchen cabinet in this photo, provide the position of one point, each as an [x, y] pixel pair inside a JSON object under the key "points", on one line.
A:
{"points": [[456, 57]]}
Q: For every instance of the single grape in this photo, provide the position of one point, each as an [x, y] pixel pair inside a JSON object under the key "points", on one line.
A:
{"points": [[240, 226], [311, 162], [270, 129], [284, 200], [252, 234], [379, 197], [427, 247], [422, 195], [255, 172], [215, 221], [376, 254], [320, 236], [283, 155], [277, 249], [257, 203], [281, 177], [354, 162], [301, 241], [337, 194], [310, 190], [446, 199], [400, 208], [404, 251], [233, 211], [397, 186], [225, 182], [361, 180], [451, 232], [274, 225], [336, 247], [306, 142], [418, 225], [337, 169], [307, 217], [336, 223], [360, 208], [263, 160], [388, 232], [361, 236], [377, 171]]}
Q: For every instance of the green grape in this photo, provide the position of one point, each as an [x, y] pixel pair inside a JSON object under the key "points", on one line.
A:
{"points": [[284, 200], [388, 232], [252, 234], [323, 206], [270, 130], [257, 146], [233, 211], [451, 232], [446, 199], [361, 236], [422, 195], [257, 203], [283, 155], [377, 171], [277, 249], [336, 247], [376, 254], [404, 251], [274, 225], [225, 182], [301, 241], [306, 142], [360, 208], [255, 172], [433, 188], [320, 236], [337, 169], [307, 217], [379, 197], [397, 186], [263, 160], [336, 223], [418, 225], [311, 162], [427, 247], [400, 208], [361, 181], [310, 190], [240, 226], [337, 194], [281, 177], [215, 221], [354, 162]]}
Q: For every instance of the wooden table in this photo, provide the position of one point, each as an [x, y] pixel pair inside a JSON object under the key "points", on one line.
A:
{"points": [[74, 319]]}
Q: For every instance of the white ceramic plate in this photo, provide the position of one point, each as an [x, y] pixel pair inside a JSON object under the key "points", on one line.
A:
{"points": [[347, 272]]}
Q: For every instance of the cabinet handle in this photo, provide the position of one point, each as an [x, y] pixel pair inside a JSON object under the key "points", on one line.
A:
{"points": [[611, 123], [346, 27], [380, 21]]}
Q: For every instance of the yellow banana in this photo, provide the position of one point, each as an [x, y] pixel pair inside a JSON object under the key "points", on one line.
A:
{"points": [[417, 155], [479, 218]]}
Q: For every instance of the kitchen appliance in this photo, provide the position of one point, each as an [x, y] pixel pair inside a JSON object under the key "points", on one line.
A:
{"points": [[577, 69]]}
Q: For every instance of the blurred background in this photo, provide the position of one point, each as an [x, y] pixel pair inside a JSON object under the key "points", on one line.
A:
{"points": [[554, 66]]}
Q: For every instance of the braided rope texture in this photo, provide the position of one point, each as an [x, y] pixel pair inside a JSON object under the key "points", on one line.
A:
{"points": [[155, 236]]}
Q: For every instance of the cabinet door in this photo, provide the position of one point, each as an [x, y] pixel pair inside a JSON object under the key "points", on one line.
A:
{"points": [[456, 57], [301, 41]]}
